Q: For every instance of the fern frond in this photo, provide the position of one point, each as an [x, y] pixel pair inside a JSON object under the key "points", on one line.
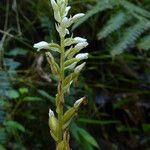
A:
{"points": [[134, 8], [99, 7], [144, 43], [129, 37], [115, 22]]}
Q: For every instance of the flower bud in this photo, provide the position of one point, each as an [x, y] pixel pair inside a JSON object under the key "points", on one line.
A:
{"points": [[70, 62], [81, 45], [41, 45], [79, 102], [79, 68], [67, 117], [71, 66], [51, 113], [82, 56], [77, 16], [53, 123], [79, 40]]}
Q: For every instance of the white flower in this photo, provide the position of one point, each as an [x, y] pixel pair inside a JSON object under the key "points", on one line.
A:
{"points": [[79, 68], [78, 102], [79, 40], [81, 45], [51, 113], [41, 45], [77, 16], [82, 56]]}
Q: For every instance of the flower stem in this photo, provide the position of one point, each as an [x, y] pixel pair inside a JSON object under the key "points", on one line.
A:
{"points": [[61, 94]]}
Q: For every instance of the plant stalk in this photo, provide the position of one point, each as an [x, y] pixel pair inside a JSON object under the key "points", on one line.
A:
{"points": [[60, 92]]}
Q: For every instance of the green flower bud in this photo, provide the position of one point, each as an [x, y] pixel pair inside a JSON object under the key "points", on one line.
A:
{"points": [[80, 67], [53, 122], [79, 102], [69, 114]]}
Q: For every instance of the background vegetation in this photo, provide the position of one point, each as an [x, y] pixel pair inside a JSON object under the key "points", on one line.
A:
{"points": [[116, 80]]}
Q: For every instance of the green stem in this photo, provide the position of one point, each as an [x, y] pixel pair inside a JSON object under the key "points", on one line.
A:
{"points": [[61, 95]]}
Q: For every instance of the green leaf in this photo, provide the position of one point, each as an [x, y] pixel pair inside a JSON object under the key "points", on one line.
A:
{"points": [[146, 127], [17, 51], [74, 130], [2, 147], [12, 94], [127, 129], [87, 146], [87, 137], [11, 64], [32, 99], [14, 125], [46, 95], [23, 90], [3, 102], [101, 122]]}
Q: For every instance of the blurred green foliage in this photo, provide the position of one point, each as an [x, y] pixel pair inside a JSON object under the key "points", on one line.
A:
{"points": [[116, 80]]}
